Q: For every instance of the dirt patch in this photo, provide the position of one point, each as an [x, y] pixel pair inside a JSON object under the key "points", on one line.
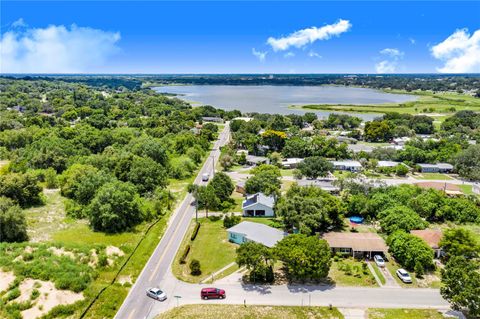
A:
{"points": [[114, 251], [6, 278], [427, 280], [125, 280], [94, 259], [48, 298]]}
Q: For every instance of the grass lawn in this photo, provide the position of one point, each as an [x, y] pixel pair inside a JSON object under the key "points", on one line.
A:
{"points": [[339, 273], [269, 221], [371, 174], [287, 172], [250, 312], [432, 176], [379, 273], [238, 198], [211, 248], [427, 103], [429, 280], [376, 313], [466, 189]]}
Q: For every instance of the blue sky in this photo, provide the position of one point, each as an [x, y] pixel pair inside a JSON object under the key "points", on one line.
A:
{"points": [[222, 37]]}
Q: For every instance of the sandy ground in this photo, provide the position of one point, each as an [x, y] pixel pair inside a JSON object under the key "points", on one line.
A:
{"points": [[6, 278], [113, 252], [61, 252], [49, 298]]}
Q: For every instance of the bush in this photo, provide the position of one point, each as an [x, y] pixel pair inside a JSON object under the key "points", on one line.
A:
{"points": [[195, 269], [214, 218], [185, 254], [230, 221], [195, 231]]}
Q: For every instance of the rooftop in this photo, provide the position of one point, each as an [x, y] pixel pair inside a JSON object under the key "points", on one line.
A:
{"points": [[347, 163], [259, 233], [356, 241], [431, 236], [259, 198]]}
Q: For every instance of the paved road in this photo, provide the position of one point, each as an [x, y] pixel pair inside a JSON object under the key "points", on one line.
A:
{"points": [[136, 305]]}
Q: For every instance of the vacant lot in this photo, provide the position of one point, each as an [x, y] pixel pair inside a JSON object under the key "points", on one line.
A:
{"points": [[375, 313], [250, 312], [211, 247]]}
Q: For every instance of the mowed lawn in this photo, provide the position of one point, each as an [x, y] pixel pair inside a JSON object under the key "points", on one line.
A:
{"points": [[349, 272], [376, 313], [211, 247], [250, 312], [432, 176]]}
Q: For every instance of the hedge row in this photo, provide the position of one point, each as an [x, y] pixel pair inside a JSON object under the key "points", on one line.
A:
{"points": [[195, 231], [185, 254]]}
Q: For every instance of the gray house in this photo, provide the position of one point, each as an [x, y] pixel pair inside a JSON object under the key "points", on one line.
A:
{"points": [[256, 232], [436, 168], [258, 205], [347, 165]]}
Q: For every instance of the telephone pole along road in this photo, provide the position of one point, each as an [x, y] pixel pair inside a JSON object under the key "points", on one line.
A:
{"points": [[137, 305]]}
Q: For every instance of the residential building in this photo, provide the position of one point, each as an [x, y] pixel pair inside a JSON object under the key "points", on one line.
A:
{"points": [[212, 119], [291, 162], [322, 184], [256, 232], [347, 165], [359, 245], [258, 204], [357, 148], [432, 237], [257, 160], [476, 188], [240, 188], [436, 168]]}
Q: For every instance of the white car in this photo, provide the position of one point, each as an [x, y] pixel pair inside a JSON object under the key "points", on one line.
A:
{"points": [[156, 294], [404, 276], [379, 260], [205, 177]]}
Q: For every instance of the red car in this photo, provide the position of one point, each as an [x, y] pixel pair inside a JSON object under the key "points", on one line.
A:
{"points": [[212, 293]]}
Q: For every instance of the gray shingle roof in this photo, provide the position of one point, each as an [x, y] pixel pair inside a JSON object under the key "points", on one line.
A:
{"points": [[259, 233], [259, 198]]}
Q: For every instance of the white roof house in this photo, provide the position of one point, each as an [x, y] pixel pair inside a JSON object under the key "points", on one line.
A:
{"points": [[259, 233], [388, 163], [357, 148], [291, 162], [258, 204], [347, 165]]}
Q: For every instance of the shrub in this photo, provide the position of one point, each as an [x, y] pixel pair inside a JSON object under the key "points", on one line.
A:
{"points": [[35, 294], [214, 218], [185, 254], [230, 221], [195, 269], [13, 294], [195, 231]]}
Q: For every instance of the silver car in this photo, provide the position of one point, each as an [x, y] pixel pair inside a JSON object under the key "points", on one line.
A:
{"points": [[156, 294], [379, 260], [404, 276]]}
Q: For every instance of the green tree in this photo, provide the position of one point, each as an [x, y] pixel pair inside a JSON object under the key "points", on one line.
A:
{"points": [[315, 166], [310, 209], [222, 185], [409, 250], [400, 218], [378, 131], [13, 226], [22, 188], [226, 161], [461, 285], [265, 179], [115, 208], [305, 257], [207, 198], [146, 174], [195, 268], [258, 259], [467, 162], [459, 242]]}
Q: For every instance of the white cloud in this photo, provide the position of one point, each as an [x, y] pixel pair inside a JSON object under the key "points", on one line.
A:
{"points": [[412, 40], [394, 53], [386, 66], [19, 23], [56, 49], [314, 54], [260, 55], [389, 65], [460, 52], [289, 55], [303, 37]]}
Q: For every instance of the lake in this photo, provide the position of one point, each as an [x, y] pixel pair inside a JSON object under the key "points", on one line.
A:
{"points": [[277, 99]]}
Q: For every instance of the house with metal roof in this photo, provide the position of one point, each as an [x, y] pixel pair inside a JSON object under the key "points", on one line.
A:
{"points": [[436, 168], [256, 232], [347, 165], [291, 162], [258, 204]]}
